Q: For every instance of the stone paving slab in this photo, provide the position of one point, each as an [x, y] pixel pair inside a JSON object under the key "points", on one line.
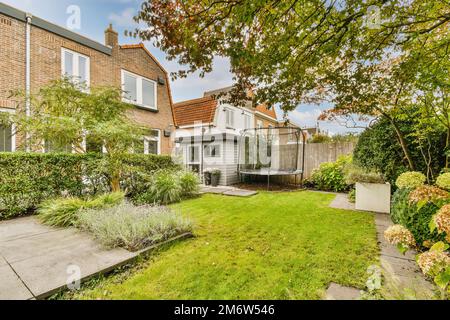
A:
{"points": [[338, 292], [40, 256], [401, 271], [11, 287], [341, 202], [21, 228], [240, 193], [228, 191]]}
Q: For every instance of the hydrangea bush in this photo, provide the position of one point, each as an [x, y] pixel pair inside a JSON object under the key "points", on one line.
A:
{"points": [[410, 180], [425, 193], [401, 237], [443, 181]]}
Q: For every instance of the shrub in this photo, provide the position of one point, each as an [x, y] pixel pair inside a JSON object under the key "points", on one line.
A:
{"points": [[60, 212], [443, 181], [63, 212], [441, 221], [415, 218], [425, 193], [354, 174], [401, 237], [378, 149], [330, 175], [133, 227], [352, 196], [410, 180], [27, 179], [164, 188], [190, 183]]}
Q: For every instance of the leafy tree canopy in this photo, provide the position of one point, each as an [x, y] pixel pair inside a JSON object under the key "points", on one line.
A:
{"points": [[298, 51]]}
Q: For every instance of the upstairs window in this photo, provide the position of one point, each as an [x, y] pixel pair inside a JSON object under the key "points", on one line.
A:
{"points": [[139, 90], [229, 118], [259, 124], [247, 121], [76, 66]]}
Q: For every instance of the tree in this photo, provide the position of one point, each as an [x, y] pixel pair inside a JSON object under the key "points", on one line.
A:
{"points": [[63, 114], [289, 49]]}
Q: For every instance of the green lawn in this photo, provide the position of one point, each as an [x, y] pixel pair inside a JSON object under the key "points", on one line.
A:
{"points": [[270, 246]]}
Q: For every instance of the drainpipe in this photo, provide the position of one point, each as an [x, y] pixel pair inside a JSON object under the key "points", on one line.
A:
{"points": [[28, 74]]}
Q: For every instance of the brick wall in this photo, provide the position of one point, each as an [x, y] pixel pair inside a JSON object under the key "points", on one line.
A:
{"points": [[104, 69]]}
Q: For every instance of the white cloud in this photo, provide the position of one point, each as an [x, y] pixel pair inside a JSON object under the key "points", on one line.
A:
{"points": [[307, 117], [123, 19]]}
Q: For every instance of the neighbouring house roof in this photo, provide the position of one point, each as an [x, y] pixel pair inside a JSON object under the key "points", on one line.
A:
{"points": [[266, 111], [53, 28], [197, 110]]}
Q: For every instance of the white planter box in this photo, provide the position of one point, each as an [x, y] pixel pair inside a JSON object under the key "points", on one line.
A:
{"points": [[373, 197]]}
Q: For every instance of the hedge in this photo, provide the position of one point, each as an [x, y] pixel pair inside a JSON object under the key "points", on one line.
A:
{"points": [[27, 179]]}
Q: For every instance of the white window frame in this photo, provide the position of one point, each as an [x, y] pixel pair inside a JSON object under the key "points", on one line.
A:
{"points": [[215, 145], [188, 155], [75, 66], [247, 121], [152, 138], [13, 130], [229, 115], [259, 124], [139, 95]]}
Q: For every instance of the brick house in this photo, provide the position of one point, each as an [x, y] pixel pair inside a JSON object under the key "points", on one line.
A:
{"points": [[34, 52]]}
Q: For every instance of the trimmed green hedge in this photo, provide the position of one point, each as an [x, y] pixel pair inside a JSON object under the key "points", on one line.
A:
{"points": [[27, 179]]}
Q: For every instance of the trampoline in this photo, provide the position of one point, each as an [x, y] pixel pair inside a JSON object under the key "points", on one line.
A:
{"points": [[272, 152]]}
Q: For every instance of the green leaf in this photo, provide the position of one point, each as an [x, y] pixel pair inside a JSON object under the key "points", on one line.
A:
{"points": [[443, 279], [402, 248], [432, 225], [421, 203], [439, 247]]}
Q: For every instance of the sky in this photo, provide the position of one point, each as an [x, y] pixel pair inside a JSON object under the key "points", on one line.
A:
{"points": [[96, 15]]}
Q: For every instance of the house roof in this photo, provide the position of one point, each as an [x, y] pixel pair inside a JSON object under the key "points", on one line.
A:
{"points": [[142, 47], [268, 112], [53, 28], [196, 110]]}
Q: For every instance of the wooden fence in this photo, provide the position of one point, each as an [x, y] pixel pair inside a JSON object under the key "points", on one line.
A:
{"points": [[315, 154]]}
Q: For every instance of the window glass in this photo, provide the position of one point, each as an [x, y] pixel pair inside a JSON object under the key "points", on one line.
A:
{"points": [[82, 69], [68, 64], [194, 154], [148, 93], [130, 87], [5, 138], [152, 147], [51, 147], [212, 151], [230, 118]]}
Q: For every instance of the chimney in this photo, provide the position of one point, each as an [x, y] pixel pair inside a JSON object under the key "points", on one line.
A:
{"points": [[111, 37]]}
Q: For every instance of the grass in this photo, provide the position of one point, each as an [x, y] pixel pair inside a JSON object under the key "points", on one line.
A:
{"points": [[270, 246]]}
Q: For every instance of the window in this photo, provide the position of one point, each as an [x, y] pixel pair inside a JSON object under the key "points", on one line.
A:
{"points": [[50, 147], [229, 118], [259, 124], [247, 121], [6, 139], [151, 143], [76, 66], [194, 154], [139, 90], [212, 151]]}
